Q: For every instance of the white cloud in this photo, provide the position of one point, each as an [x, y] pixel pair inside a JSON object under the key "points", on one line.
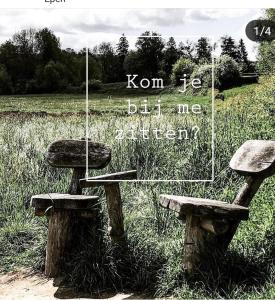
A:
{"points": [[78, 27]]}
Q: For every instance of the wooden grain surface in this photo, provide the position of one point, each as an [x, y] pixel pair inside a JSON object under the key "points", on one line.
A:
{"points": [[203, 207], [255, 157], [72, 154], [64, 201], [107, 179]]}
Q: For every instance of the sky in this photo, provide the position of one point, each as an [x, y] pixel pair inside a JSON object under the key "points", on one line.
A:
{"points": [[78, 28]]}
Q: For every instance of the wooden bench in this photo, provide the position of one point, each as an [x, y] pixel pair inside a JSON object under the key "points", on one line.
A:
{"points": [[249, 78], [62, 209], [210, 224]]}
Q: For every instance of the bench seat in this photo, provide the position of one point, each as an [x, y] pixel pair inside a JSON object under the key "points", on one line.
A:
{"points": [[63, 201], [203, 207]]}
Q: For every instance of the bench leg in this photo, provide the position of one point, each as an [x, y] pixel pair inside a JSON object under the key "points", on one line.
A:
{"points": [[201, 243], [59, 237], [193, 243], [114, 206], [244, 197]]}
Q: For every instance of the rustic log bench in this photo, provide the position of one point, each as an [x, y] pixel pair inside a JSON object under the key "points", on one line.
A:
{"points": [[63, 209], [210, 224]]}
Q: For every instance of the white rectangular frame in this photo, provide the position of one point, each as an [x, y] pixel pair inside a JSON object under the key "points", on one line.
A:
{"points": [[212, 123]]}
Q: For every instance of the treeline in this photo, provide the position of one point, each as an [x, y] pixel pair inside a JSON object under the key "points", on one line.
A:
{"points": [[33, 61], [266, 50]]}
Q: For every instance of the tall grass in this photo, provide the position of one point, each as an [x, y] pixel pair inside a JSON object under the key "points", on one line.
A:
{"points": [[152, 261]]}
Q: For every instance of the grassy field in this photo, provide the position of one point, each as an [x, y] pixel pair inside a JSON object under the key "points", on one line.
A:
{"points": [[154, 234], [99, 103]]}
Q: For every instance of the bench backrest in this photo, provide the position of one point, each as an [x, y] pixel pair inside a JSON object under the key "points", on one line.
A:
{"points": [[255, 158], [72, 154]]}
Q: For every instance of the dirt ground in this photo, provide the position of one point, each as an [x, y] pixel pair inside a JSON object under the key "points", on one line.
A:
{"points": [[22, 285]]}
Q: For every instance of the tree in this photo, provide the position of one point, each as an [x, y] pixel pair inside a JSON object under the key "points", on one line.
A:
{"points": [[122, 46], [122, 51], [24, 41], [5, 81], [170, 56], [109, 62], [187, 50], [94, 68], [245, 64], [229, 47], [270, 14], [203, 50], [71, 62], [149, 50], [52, 77], [132, 63], [266, 57], [47, 46], [242, 56], [266, 50], [10, 59]]}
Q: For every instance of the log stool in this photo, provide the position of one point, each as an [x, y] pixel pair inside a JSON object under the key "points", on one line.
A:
{"points": [[63, 209], [210, 224]]}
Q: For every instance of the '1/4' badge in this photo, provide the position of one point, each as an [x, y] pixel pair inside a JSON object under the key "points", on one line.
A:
{"points": [[260, 30]]}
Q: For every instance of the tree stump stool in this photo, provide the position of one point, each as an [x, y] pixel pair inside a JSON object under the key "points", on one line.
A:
{"points": [[210, 224], [61, 209]]}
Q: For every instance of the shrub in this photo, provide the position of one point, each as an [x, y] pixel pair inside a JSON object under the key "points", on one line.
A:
{"points": [[70, 89], [227, 72], [93, 85], [31, 86], [247, 67], [204, 73], [266, 57], [181, 67]]}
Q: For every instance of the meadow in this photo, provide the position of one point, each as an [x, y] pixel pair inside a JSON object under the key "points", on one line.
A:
{"points": [[28, 124]]}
